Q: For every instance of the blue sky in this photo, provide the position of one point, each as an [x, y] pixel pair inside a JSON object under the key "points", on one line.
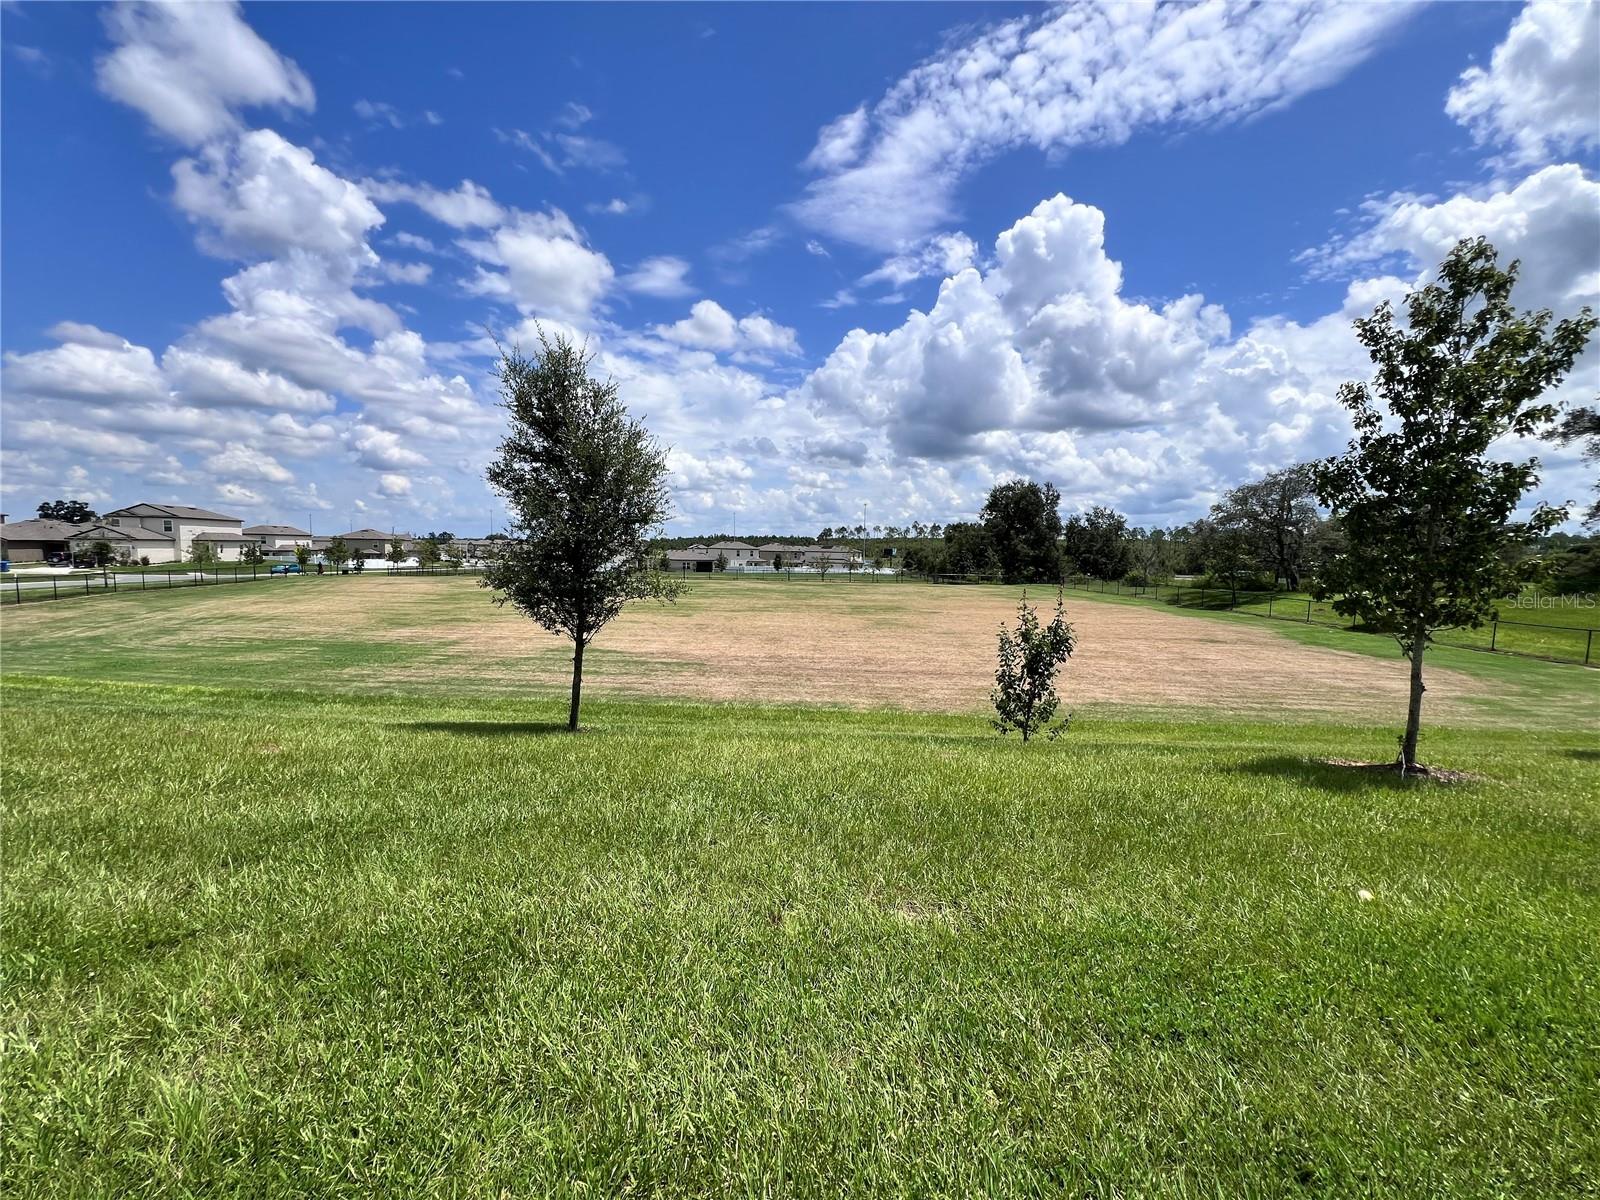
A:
{"points": [[840, 255]]}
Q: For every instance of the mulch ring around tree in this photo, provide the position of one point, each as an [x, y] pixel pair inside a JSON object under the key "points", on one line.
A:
{"points": [[1419, 771]]}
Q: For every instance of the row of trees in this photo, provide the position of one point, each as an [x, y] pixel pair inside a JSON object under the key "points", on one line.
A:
{"points": [[1265, 532], [916, 530]]}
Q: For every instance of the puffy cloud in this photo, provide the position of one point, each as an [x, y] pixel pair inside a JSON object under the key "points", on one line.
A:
{"points": [[382, 449], [709, 326], [1541, 91], [207, 380], [238, 461], [1082, 75], [1550, 221], [259, 195], [547, 267], [188, 67], [89, 365], [393, 485], [1043, 340], [663, 276], [467, 206], [943, 254]]}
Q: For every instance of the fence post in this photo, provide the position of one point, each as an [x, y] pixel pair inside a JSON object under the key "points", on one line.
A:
{"points": [[1308, 612], [1587, 647], [85, 585], [1269, 606], [17, 583], [1494, 630], [55, 591]]}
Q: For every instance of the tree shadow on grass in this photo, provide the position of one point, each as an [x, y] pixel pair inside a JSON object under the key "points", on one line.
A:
{"points": [[1329, 776], [488, 728], [1584, 755]]}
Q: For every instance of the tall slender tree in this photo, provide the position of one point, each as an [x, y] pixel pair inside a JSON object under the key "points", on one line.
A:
{"points": [[1426, 510], [585, 485]]}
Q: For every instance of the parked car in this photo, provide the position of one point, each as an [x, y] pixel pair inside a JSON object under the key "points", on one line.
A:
{"points": [[287, 569]]}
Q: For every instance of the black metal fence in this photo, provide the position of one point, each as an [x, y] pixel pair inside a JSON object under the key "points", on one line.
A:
{"points": [[24, 588]]}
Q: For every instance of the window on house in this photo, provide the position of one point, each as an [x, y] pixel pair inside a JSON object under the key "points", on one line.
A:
{"points": [[166, 526], [116, 520]]}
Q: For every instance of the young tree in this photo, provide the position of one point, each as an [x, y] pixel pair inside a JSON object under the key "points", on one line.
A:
{"points": [[1023, 521], [1024, 681], [302, 556], [1583, 425], [586, 484], [101, 552], [337, 553], [427, 551], [202, 553], [722, 561], [1426, 511], [821, 565], [251, 554], [397, 550], [73, 512]]}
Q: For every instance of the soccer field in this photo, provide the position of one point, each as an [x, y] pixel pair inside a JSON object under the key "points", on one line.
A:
{"points": [[304, 894]]}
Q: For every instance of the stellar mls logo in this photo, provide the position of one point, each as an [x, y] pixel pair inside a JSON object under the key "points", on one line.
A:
{"points": [[1576, 600]]}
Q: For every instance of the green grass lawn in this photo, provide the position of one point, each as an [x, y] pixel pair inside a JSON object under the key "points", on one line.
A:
{"points": [[1534, 624], [274, 943]]}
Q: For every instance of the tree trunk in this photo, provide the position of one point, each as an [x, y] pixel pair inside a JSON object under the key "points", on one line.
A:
{"points": [[577, 686], [1408, 748]]}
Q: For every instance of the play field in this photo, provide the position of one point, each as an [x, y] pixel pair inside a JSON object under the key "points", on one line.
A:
{"points": [[847, 642], [306, 894]]}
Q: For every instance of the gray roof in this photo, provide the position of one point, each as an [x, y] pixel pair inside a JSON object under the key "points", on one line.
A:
{"points": [[370, 534], [787, 546], [732, 546], [39, 531], [275, 531], [221, 535], [129, 533], [173, 510]]}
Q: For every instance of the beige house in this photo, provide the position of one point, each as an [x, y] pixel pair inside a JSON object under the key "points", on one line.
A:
{"points": [[277, 537], [738, 554], [368, 543], [129, 543], [163, 532]]}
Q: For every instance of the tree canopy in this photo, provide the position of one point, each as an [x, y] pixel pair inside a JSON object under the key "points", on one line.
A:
{"points": [[1098, 542], [73, 512], [585, 485], [1023, 522], [1426, 510]]}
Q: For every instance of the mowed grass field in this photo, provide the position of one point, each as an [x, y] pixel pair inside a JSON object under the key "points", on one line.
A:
{"points": [[304, 894]]}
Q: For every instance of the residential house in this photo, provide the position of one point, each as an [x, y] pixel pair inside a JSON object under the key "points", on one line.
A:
{"points": [[697, 557], [36, 541], [129, 543], [738, 554], [162, 532], [368, 543], [277, 538]]}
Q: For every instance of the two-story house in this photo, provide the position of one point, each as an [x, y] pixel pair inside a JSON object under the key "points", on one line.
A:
{"points": [[163, 532]]}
